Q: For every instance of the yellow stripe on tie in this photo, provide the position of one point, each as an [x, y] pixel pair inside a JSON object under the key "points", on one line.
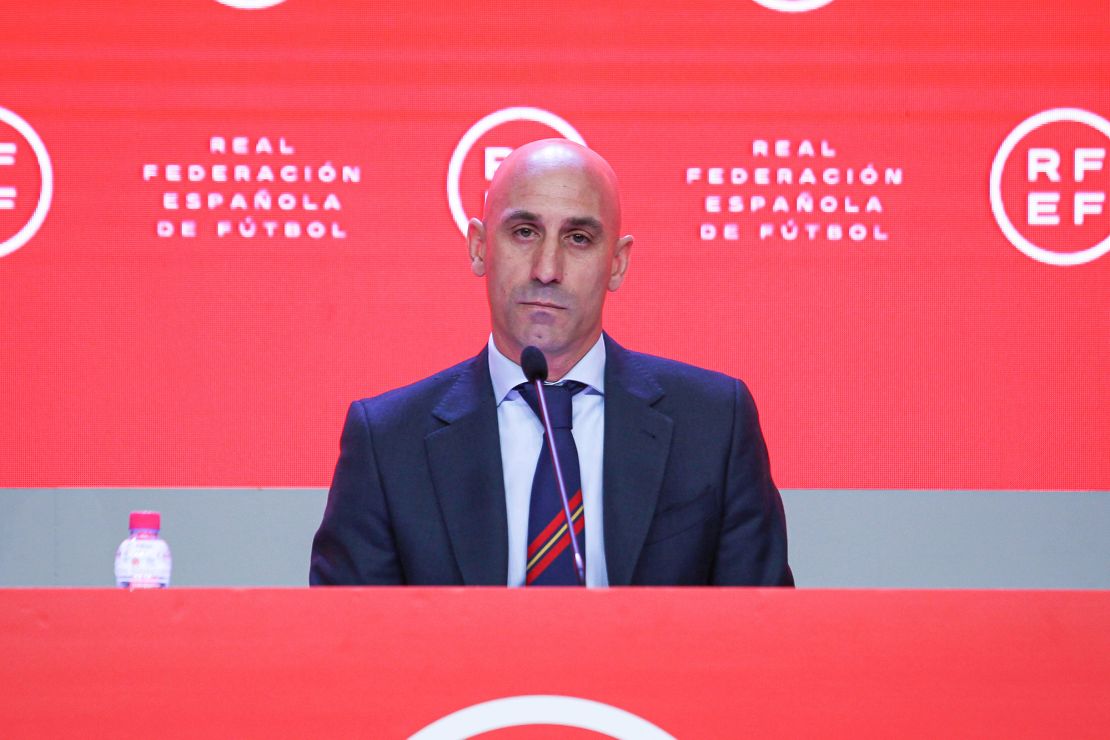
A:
{"points": [[554, 538]]}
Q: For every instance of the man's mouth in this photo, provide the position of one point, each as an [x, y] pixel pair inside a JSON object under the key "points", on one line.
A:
{"points": [[543, 304]]}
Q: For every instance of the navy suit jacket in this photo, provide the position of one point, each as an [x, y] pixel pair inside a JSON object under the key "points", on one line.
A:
{"points": [[418, 495]]}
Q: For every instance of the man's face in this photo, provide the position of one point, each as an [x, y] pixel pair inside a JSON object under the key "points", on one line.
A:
{"points": [[549, 250]]}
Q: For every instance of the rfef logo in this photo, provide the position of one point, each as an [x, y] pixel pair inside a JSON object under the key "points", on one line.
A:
{"points": [[250, 4], [492, 139], [541, 710], [26, 182], [793, 6], [1049, 184]]}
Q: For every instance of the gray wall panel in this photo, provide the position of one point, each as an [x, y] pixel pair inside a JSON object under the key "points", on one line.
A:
{"points": [[28, 539], [866, 539], [219, 537], [949, 539]]}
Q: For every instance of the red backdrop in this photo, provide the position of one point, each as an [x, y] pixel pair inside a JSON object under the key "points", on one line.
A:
{"points": [[912, 342]]}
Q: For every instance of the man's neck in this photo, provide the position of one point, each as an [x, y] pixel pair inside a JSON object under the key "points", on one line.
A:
{"points": [[558, 365]]}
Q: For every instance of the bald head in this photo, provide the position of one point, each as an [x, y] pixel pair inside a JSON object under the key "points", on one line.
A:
{"points": [[547, 156], [549, 248]]}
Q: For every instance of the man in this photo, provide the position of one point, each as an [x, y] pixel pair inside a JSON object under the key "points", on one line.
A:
{"points": [[440, 482]]}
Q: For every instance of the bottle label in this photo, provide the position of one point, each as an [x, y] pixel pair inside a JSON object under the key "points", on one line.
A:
{"points": [[143, 563]]}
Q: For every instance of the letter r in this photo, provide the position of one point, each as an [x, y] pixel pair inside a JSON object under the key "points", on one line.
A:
{"points": [[1043, 161]]}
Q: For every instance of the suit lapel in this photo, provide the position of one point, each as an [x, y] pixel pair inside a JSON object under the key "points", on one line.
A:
{"points": [[637, 441], [465, 461]]}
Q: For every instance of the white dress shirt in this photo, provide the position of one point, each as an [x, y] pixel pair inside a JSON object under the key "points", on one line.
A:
{"points": [[521, 435]]}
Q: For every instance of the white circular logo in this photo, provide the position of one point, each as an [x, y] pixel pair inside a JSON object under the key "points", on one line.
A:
{"points": [[793, 6], [10, 194], [484, 126], [522, 711], [250, 4], [1046, 164]]}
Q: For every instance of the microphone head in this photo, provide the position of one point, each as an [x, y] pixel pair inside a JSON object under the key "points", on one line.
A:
{"points": [[534, 364]]}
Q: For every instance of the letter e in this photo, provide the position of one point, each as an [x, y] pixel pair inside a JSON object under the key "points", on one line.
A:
{"points": [[1042, 209]]}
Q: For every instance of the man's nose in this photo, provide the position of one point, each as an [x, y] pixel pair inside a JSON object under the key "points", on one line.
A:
{"points": [[547, 262]]}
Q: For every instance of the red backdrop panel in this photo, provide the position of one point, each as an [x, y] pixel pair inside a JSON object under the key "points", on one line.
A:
{"points": [[250, 224]]}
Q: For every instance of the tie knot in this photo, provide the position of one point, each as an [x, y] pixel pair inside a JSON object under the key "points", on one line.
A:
{"points": [[558, 398]]}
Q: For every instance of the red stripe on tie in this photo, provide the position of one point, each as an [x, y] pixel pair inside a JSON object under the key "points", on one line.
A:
{"points": [[559, 520], [556, 549]]}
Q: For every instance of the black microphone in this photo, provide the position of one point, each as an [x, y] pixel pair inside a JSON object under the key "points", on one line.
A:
{"points": [[534, 365]]}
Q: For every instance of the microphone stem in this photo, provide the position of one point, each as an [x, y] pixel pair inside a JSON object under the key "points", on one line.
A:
{"points": [[549, 433]]}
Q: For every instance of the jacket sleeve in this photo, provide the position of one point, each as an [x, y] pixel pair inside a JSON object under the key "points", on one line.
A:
{"points": [[354, 545], [752, 546]]}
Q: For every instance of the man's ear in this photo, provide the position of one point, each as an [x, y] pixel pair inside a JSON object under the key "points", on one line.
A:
{"points": [[476, 245], [621, 254]]}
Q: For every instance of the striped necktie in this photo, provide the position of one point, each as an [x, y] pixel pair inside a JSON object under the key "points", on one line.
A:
{"points": [[550, 558]]}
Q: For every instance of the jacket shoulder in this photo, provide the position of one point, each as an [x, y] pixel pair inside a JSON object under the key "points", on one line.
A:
{"points": [[682, 381]]}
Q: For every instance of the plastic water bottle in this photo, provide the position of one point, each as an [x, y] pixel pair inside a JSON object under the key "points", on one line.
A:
{"points": [[143, 559]]}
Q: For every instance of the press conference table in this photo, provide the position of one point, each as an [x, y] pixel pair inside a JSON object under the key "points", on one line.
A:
{"points": [[689, 663]]}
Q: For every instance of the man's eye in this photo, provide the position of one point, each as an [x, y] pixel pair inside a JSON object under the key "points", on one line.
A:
{"points": [[525, 232], [580, 239]]}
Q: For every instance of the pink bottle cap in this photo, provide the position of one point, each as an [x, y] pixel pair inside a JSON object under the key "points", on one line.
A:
{"points": [[145, 520]]}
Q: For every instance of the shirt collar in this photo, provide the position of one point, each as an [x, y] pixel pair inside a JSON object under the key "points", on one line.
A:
{"points": [[507, 375]]}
